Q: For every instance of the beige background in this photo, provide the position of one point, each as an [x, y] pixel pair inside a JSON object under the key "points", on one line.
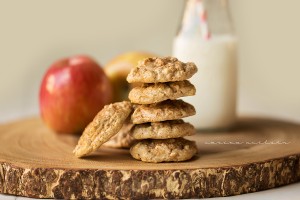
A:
{"points": [[35, 33]]}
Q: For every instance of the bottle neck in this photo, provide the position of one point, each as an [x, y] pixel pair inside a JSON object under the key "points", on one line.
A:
{"points": [[207, 18]]}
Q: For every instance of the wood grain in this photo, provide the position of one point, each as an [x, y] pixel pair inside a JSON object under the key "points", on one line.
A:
{"points": [[35, 162]]}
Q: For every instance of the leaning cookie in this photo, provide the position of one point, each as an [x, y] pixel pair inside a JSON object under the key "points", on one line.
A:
{"points": [[106, 124], [167, 69], [163, 111], [168, 150], [122, 139], [156, 92], [162, 130]]}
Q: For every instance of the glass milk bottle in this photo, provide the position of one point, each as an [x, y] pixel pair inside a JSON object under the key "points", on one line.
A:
{"points": [[207, 39]]}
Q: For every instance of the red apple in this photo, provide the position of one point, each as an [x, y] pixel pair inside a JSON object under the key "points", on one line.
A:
{"points": [[73, 90]]}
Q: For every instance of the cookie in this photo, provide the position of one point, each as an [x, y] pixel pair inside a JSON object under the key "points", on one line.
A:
{"points": [[150, 93], [163, 111], [122, 139], [105, 125], [162, 130], [168, 150], [167, 69]]}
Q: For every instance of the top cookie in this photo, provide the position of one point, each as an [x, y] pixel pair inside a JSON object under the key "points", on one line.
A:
{"points": [[106, 124], [167, 69]]}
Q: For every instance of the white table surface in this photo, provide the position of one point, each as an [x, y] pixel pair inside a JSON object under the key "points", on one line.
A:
{"points": [[286, 192]]}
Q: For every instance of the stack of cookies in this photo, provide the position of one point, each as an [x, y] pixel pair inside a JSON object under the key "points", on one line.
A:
{"points": [[157, 114]]}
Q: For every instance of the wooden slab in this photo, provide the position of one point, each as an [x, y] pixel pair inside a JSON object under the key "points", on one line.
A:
{"points": [[35, 162]]}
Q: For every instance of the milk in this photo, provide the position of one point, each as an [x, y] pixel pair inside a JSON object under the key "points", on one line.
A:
{"points": [[215, 81]]}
